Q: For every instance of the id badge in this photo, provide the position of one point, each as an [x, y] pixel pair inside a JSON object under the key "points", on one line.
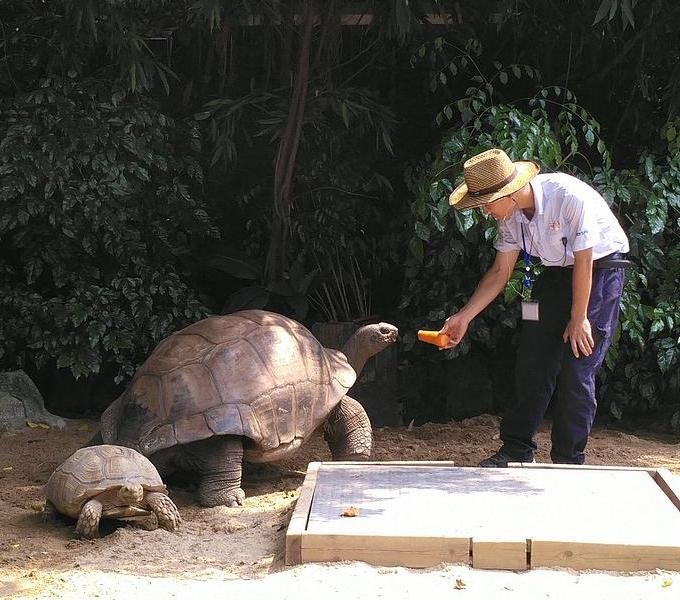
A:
{"points": [[529, 310]]}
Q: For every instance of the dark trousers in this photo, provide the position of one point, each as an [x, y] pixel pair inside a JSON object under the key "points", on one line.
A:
{"points": [[545, 362]]}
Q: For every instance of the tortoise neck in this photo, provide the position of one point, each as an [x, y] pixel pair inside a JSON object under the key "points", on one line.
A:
{"points": [[357, 354]]}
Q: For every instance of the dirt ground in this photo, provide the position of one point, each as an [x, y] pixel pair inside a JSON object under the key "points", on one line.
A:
{"points": [[220, 550]]}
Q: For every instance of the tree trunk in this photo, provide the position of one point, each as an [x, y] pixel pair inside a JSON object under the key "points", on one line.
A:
{"points": [[286, 157]]}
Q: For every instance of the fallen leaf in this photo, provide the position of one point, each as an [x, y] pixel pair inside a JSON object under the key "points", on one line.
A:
{"points": [[667, 583], [33, 425], [85, 427], [7, 468], [460, 584], [352, 511]]}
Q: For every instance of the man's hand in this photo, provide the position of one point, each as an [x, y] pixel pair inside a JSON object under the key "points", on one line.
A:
{"points": [[455, 327], [578, 332]]}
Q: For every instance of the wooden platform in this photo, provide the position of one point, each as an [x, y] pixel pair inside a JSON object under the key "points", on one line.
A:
{"points": [[419, 514]]}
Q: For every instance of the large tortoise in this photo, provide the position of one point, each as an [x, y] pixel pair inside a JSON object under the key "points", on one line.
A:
{"points": [[108, 482], [251, 385]]}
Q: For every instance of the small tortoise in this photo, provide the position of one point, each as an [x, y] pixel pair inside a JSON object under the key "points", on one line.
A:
{"points": [[110, 482], [251, 385]]}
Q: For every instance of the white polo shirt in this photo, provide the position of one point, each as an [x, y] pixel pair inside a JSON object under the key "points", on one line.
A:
{"points": [[570, 216]]}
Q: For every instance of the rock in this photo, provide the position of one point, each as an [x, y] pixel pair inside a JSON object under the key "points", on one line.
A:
{"points": [[21, 403]]}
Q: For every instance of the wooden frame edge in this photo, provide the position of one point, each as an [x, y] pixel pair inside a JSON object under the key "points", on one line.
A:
{"points": [[623, 558], [521, 465], [298, 520], [392, 463], [489, 552], [664, 479]]}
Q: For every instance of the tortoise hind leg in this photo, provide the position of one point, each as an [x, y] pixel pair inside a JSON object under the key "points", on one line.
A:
{"points": [[88, 521], [348, 431], [218, 460]]}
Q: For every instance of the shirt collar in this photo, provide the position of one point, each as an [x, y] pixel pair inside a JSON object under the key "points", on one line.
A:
{"points": [[538, 196], [520, 217]]}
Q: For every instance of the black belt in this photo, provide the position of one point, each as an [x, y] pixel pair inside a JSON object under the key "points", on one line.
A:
{"points": [[616, 260]]}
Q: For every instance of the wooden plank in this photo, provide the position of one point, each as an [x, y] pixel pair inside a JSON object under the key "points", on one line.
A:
{"points": [[609, 557], [393, 463], [669, 486], [380, 558], [558, 466], [387, 550], [298, 520], [386, 541], [499, 554]]}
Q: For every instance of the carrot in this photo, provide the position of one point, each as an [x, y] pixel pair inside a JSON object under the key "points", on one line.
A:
{"points": [[433, 337]]}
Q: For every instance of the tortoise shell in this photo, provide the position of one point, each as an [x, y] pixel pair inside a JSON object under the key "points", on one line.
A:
{"points": [[252, 373], [91, 471]]}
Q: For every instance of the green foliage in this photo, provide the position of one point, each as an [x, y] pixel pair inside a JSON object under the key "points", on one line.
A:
{"points": [[345, 234], [131, 39], [97, 220], [646, 359], [609, 8], [450, 63], [290, 293]]}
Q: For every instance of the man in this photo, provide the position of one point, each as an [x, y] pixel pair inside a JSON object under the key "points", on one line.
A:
{"points": [[569, 313]]}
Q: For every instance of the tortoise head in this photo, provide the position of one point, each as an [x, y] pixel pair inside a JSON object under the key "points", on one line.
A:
{"points": [[367, 341], [130, 494], [377, 337]]}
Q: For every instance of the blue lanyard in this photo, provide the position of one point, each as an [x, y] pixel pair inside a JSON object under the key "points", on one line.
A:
{"points": [[527, 281]]}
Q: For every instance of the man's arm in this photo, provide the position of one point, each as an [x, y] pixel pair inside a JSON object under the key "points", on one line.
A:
{"points": [[490, 285], [578, 330]]}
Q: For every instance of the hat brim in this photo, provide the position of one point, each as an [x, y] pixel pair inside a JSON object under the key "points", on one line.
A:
{"points": [[526, 170]]}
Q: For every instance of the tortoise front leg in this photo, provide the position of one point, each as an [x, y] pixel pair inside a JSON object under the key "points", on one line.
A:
{"points": [[165, 510], [219, 461], [88, 521], [348, 431]]}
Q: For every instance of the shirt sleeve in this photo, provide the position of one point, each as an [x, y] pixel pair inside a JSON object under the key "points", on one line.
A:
{"points": [[506, 239], [581, 219]]}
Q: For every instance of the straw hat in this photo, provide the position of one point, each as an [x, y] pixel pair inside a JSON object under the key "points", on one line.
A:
{"points": [[490, 176]]}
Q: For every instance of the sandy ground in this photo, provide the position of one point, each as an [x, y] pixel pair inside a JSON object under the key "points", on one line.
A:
{"points": [[220, 551]]}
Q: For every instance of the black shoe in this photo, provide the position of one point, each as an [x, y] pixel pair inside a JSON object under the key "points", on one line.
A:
{"points": [[500, 459]]}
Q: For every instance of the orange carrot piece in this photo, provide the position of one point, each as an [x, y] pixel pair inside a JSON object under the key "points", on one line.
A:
{"points": [[433, 337]]}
